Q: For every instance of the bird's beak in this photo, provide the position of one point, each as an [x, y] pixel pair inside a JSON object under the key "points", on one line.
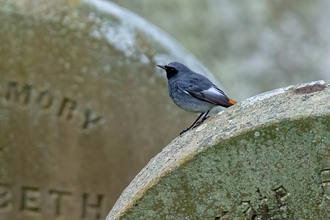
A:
{"points": [[163, 67]]}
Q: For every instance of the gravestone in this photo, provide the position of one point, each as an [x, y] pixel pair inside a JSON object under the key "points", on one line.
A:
{"points": [[267, 157], [82, 105]]}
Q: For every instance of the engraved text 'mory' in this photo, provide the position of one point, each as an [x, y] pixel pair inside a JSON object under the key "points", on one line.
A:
{"points": [[45, 99]]}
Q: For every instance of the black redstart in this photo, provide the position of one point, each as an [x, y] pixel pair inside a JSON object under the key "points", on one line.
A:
{"points": [[193, 92]]}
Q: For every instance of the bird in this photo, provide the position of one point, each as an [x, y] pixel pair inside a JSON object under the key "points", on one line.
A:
{"points": [[193, 92]]}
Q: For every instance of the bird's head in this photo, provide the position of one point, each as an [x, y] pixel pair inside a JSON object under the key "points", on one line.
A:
{"points": [[174, 68]]}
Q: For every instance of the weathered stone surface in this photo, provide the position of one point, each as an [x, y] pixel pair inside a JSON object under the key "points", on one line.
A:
{"points": [[267, 157], [82, 105]]}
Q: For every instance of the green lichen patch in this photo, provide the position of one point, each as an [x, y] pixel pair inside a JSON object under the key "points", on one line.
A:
{"points": [[272, 172]]}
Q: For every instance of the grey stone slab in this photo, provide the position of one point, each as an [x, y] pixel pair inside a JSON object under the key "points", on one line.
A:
{"points": [[83, 106], [267, 157]]}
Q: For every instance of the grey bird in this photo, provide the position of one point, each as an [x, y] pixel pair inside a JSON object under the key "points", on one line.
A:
{"points": [[193, 92]]}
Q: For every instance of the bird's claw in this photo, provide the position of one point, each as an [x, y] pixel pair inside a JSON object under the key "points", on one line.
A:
{"points": [[182, 132], [196, 125]]}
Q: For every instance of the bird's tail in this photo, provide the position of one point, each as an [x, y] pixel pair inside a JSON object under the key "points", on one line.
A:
{"points": [[232, 101]]}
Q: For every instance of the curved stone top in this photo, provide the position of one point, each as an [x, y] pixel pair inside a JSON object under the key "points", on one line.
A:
{"points": [[292, 102], [121, 27], [173, 47]]}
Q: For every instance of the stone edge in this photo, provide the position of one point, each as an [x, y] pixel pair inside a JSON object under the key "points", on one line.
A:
{"points": [[170, 162]]}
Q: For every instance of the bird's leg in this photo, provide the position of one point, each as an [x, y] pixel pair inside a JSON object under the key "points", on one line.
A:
{"points": [[203, 119], [192, 124], [205, 116]]}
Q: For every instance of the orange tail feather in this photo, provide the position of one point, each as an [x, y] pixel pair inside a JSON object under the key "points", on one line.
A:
{"points": [[232, 101]]}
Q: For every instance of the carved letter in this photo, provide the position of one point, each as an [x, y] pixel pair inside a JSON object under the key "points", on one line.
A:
{"points": [[325, 178], [45, 99], [13, 92], [89, 119], [5, 199], [247, 209], [281, 196], [31, 199], [67, 107], [58, 198], [224, 216], [88, 208]]}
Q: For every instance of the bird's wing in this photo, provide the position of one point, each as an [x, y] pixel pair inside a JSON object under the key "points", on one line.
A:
{"points": [[205, 91]]}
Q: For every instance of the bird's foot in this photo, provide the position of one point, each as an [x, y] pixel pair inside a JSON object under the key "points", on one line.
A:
{"points": [[196, 125], [182, 132]]}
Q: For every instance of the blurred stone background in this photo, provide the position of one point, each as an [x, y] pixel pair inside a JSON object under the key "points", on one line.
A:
{"points": [[250, 46]]}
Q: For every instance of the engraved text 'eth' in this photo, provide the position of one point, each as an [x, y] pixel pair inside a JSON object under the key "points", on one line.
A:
{"points": [[32, 200]]}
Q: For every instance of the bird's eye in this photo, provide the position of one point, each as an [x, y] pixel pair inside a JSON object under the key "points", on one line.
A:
{"points": [[171, 70]]}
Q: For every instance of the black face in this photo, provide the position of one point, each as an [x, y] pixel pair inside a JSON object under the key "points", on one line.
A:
{"points": [[170, 71]]}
